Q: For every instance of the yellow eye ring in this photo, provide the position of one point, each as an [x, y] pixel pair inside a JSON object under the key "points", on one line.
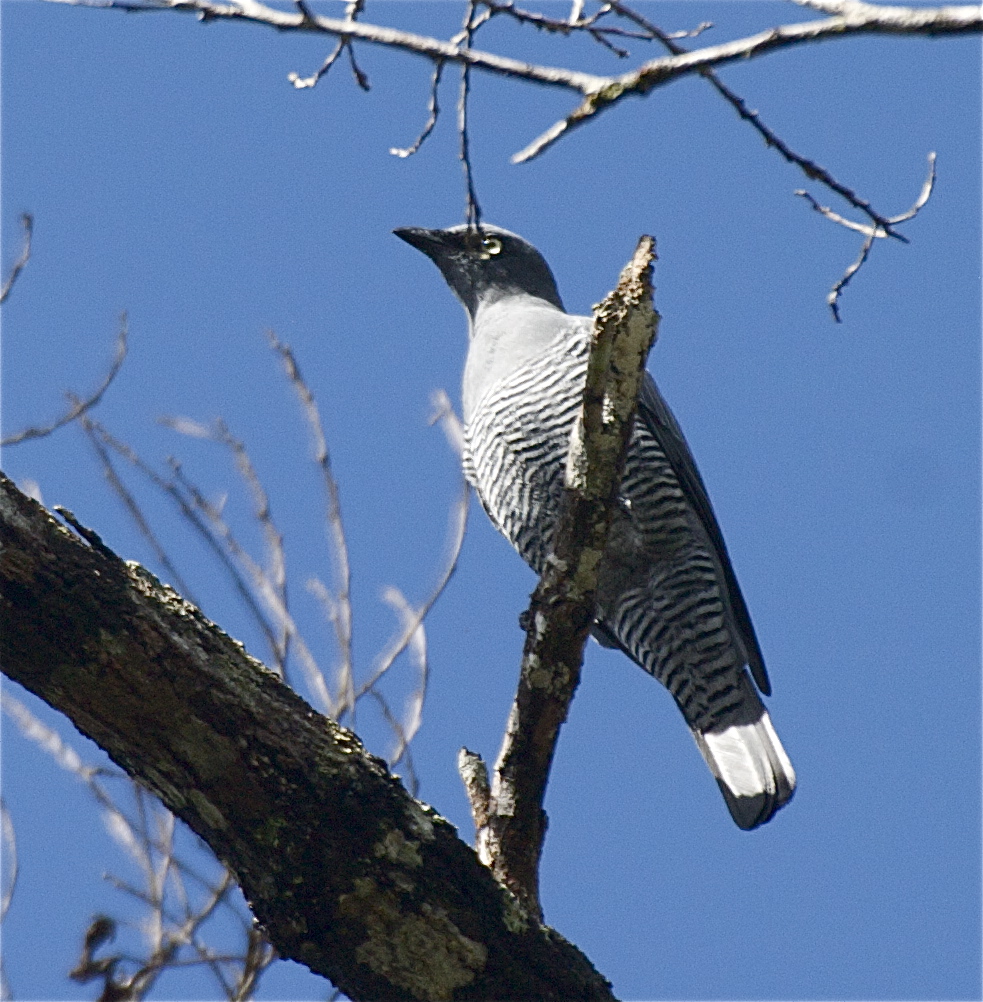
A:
{"points": [[490, 246]]}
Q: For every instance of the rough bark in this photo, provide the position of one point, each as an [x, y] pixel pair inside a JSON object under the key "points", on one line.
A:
{"points": [[508, 812], [347, 873]]}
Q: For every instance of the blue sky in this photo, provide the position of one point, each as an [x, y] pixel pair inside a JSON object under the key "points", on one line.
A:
{"points": [[175, 174]]}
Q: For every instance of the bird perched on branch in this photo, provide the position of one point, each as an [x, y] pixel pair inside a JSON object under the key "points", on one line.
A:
{"points": [[667, 594]]}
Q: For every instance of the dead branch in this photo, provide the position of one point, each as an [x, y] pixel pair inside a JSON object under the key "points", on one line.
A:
{"points": [[511, 822]]}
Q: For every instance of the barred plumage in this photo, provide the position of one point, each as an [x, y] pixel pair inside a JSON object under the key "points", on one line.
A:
{"points": [[667, 594]]}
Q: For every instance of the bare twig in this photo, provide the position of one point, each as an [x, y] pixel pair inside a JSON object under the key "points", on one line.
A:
{"points": [[472, 210], [562, 608], [567, 27], [871, 233], [147, 835], [458, 524], [339, 545], [598, 92], [351, 12], [78, 407], [433, 109], [360, 77], [352, 9], [261, 584], [811, 169], [693, 32], [101, 441], [303, 83], [408, 615], [412, 781], [276, 569], [27, 223], [99, 434]]}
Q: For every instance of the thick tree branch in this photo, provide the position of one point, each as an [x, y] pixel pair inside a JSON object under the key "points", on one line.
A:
{"points": [[510, 820], [348, 874]]}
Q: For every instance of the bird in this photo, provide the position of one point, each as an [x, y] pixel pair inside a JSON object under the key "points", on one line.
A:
{"points": [[667, 594]]}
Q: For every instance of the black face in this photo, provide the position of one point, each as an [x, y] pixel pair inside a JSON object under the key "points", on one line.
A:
{"points": [[482, 266]]}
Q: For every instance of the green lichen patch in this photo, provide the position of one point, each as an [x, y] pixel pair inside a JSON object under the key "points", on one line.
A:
{"points": [[421, 951]]}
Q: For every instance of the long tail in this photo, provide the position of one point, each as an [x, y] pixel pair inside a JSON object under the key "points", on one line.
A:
{"points": [[751, 768]]}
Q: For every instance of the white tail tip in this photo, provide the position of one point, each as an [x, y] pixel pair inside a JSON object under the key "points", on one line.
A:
{"points": [[751, 767]]}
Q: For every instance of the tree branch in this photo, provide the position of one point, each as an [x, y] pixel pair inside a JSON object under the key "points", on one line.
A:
{"points": [[599, 92], [348, 874], [857, 19], [510, 820]]}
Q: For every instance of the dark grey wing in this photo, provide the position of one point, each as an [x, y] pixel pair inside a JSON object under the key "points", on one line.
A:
{"points": [[659, 420]]}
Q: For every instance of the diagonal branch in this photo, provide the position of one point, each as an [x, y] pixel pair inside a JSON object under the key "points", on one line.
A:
{"points": [[433, 48], [511, 822], [347, 873], [810, 168], [862, 19]]}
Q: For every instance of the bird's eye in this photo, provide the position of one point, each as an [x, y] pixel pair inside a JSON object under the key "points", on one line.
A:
{"points": [[490, 246]]}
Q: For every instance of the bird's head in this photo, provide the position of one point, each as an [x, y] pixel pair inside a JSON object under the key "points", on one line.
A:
{"points": [[486, 264]]}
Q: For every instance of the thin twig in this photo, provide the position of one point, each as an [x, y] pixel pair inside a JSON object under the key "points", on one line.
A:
{"points": [[148, 836], [264, 589], [78, 406], [393, 597], [413, 783], [567, 27], [433, 109], [302, 83], [99, 439], [871, 233], [27, 223], [188, 510], [276, 570], [352, 9], [472, 210], [458, 520], [360, 76], [351, 12], [336, 529], [811, 169]]}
